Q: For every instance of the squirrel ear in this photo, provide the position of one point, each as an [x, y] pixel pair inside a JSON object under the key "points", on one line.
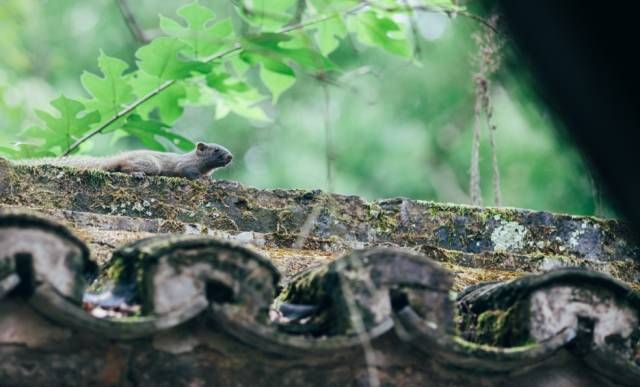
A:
{"points": [[201, 146]]}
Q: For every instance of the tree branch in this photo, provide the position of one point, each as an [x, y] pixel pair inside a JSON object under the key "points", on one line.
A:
{"points": [[137, 103], [480, 20], [131, 22], [237, 47], [118, 115], [320, 19], [426, 8], [301, 5], [414, 31]]}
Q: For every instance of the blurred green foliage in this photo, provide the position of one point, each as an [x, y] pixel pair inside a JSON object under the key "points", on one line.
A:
{"points": [[400, 123]]}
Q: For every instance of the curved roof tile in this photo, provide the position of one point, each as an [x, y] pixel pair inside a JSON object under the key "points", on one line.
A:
{"points": [[235, 305]]}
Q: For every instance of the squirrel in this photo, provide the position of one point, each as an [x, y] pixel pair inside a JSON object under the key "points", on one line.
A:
{"points": [[193, 165]]}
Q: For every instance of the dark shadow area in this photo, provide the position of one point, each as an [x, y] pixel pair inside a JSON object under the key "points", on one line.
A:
{"points": [[585, 61]]}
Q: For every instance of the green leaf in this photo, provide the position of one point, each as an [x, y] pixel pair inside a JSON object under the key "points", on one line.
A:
{"points": [[245, 110], [224, 83], [443, 4], [237, 96], [160, 59], [72, 122], [277, 83], [266, 13], [10, 152], [329, 34], [22, 150], [238, 65], [198, 94], [273, 46], [51, 142], [168, 103], [203, 37], [326, 6], [111, 91], [147, 132], [375, 30], [234, 88], [272, 63]]}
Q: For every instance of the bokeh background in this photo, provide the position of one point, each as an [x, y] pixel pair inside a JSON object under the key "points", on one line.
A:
{"points": [[398, 127]]}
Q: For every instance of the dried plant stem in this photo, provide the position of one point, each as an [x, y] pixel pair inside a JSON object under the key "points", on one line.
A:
{"points": [[474, 180], [488, 61], [370, 355], [308, 225], [497, 194]]}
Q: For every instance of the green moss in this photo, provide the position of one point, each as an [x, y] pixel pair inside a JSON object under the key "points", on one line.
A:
{"points": [[173, 182], [477, 214], [627, 271], [247, 216], [476, 348], [320, 287], [491, 326], [119, 270], [6, 267], [172, 226], [306, 288], [284, 220], [96, 179], [222, 222], [115, 269], [380, 220], [224, 206], [497, 327]]}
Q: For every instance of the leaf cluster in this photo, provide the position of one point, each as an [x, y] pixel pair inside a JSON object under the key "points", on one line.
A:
{"points": [[205, 60]]}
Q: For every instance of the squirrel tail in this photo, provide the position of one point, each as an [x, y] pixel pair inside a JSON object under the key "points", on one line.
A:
{"points": [[80, 162]]}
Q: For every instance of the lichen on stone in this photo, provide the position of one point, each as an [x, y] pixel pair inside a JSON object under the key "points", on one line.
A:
{"points": [[508, 236]]}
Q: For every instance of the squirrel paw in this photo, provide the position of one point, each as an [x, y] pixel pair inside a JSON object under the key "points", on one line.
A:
{"points": [[138, 175]]}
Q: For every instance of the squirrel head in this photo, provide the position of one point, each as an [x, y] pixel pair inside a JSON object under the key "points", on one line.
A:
{"points": [[213, 155]]}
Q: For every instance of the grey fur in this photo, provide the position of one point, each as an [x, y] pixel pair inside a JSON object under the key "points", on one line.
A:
{"points": [[195, 164]]}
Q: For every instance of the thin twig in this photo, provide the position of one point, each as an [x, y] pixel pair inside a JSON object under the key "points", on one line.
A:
{"points": [[480, 20], [497, 194], [321, 19], [488, 62], [414, 31], [118, 115], [131, 22], [494, 63], [301, 6], [248, 12], [426, 8]]}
